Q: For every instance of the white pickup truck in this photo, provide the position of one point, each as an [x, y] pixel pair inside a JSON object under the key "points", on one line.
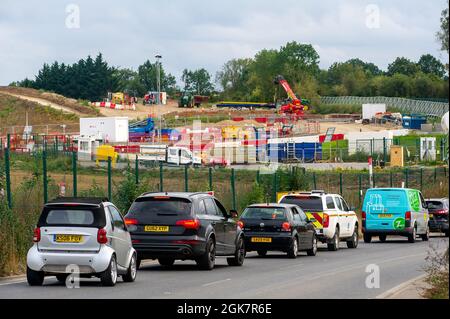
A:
{"points": [[169, 154], [330, 214]]}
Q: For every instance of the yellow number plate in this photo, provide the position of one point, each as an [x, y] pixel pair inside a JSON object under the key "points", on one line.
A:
{"points": [[68, 238], [261, 240], [156, 228], [385, 215]]}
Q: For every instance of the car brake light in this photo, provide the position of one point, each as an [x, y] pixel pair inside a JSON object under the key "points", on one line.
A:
{"points": [[189, 223], [325, 220], [286, 226], [131, 221], [440, 212], [363, 215], [240, 223], [37, 235], [101, 236], [408, 215]]}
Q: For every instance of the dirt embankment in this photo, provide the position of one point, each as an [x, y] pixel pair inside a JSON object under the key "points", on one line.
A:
{"points": [[53, 100]]}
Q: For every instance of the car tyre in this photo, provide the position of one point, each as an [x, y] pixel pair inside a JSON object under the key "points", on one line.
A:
{"points": [[313, 250], [426, 236], [354, 241], [35, 278], [367, 238], [239, 254], [109, 276], [208, 259], [334, 244], [382, 238], [166, 262], [130, 276], [293, 249], [412, 236]]}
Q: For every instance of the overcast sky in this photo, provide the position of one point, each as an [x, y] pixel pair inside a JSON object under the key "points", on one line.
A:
{"points": [[207, 33]]}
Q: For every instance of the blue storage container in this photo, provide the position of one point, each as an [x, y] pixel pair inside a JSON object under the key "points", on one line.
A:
{"points": [[413, 122], [283, 152]]}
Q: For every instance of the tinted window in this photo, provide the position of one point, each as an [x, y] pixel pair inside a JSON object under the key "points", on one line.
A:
{"points": [[435, 204], [330, 202], [296, 215], [210, 207], [220, 209], [306, 203], [267, 213], [117, 218], [201, 208], [149, 208], [69, 217]]}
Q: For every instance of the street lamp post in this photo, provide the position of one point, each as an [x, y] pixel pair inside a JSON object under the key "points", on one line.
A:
{"points": [[158, 78]]}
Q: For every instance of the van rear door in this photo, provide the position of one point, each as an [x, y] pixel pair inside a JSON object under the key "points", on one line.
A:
{"points": [[385, 209]]}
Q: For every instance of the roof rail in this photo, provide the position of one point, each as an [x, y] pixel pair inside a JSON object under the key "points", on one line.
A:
{"points": [[318, 191], [78, 200]]}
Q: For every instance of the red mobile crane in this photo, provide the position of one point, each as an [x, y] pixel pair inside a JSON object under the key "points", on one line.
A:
{"points": [[292, 105]]}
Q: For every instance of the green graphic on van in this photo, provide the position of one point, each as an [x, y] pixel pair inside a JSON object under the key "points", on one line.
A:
{"points": [[399, 223], [414, 199]]}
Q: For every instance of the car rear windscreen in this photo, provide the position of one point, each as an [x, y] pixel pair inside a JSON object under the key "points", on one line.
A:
{"points": [[306, 203], [146, 209], [435, 205], [266, 213], [72, 216]]}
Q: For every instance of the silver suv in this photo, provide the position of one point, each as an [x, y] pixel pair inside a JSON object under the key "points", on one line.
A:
{"points": [[85, 235]]}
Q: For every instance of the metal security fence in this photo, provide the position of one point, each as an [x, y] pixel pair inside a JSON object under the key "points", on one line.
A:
{"points": [[406, 105]]}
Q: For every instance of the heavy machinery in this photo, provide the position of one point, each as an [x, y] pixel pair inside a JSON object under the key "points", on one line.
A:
{"points": [[291, 105], [188, 99]]}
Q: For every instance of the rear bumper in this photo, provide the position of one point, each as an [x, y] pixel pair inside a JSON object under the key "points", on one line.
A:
{"points": [[175, 247], [376, 232], [438, 225], [280, 241], [67, 262]]}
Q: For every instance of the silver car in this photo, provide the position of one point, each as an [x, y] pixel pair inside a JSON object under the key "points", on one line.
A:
{"points": [[82, 235]]}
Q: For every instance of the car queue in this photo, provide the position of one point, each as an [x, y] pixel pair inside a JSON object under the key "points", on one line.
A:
{"points": [[91, 237]]}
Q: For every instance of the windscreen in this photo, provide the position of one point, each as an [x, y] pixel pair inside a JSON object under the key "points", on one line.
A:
{"points": [[265, 213], [146, 209], [81, 216], [435, 205], [306, 203]]}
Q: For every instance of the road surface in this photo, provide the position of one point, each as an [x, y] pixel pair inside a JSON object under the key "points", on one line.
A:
{"points": [[340, 274]]}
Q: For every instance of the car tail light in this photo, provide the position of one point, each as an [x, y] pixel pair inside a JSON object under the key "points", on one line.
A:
{"points": [[363, 216], [101, 236], [325, 220], [37, 235], [286, 226], [408, 215], [440, 212], [240, 223], [131, 221], [189, 223]]}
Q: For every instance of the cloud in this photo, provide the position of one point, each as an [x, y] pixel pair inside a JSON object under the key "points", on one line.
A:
{"points": [[201, 33]]}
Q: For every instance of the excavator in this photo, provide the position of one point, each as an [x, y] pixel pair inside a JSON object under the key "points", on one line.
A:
{"points": [[291, 105]]}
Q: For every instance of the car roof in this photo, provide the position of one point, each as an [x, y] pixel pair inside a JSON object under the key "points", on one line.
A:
{"points": [[443, 199], [186, 195], [97, 201], [272, 205]]}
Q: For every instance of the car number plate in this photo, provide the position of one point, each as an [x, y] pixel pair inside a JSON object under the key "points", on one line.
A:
{"points": [[158, 229], [68, 238], [385, 215], [261, 240]]}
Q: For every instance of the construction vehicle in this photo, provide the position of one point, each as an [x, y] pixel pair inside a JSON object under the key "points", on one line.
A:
{"points": [[188, 99], [291, 105], [121, 98]]}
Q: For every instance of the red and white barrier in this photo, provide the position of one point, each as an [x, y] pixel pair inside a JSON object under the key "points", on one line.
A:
{"points": [[115, 106]]}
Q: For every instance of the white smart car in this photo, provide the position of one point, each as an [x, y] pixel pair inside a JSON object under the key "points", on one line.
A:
{"points": [[83, 235]]}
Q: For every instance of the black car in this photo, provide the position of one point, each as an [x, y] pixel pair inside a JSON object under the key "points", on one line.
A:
{"points": [[438, 211], [278, 227], [184, 226]]}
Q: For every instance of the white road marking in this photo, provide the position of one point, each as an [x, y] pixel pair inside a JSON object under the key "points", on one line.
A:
{"points": [[216, 282]]}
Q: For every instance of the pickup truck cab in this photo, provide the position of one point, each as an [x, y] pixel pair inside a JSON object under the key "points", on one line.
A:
{"points": [[334, 220]]}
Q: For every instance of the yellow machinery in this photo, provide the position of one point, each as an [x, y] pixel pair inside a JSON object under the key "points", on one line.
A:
{"points": [[105, 151], [236, 132], [397, 156]]}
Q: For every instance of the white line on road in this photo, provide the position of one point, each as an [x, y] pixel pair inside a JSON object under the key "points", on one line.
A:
{"points": [[216, 282]]}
